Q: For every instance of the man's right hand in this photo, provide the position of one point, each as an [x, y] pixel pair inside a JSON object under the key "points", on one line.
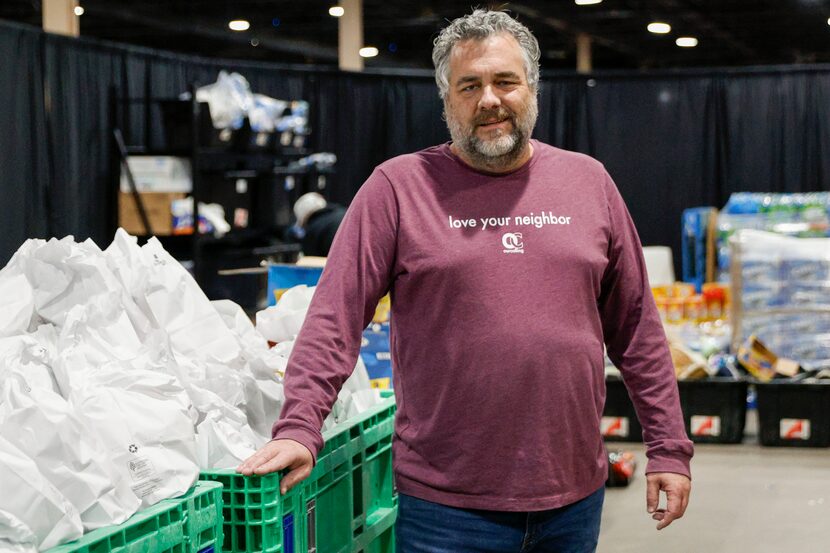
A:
{"points": [[278, 455]]}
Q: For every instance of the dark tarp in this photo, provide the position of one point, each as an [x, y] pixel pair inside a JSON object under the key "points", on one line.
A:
{"points": [[671, 139]]}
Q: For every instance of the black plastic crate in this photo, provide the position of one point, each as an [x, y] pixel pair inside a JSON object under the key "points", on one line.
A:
{"points": [[714, 409], [794, 414], [619, 420]]}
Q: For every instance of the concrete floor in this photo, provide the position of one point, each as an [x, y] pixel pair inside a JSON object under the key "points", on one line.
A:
{"points": [[745, 499]]}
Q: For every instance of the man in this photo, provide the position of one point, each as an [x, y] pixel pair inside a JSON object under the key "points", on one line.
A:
{"points": [[319, 221], [509, 263]]}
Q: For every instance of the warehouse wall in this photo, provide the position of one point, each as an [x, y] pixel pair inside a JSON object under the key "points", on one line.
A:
{"points": [[671, 140]]}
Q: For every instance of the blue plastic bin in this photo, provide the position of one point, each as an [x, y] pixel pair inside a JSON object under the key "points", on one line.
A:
{"points": [[284, 276]]}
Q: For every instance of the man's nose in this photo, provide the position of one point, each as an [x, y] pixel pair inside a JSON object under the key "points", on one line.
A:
{"points": [[489, 99]]}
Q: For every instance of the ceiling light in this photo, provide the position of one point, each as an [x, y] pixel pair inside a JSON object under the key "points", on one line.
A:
{"points": [[368, 52], [686, 42], [586, 2], [239, 25], [79, 11], [659, 28], [336, 11], [828, 20]]}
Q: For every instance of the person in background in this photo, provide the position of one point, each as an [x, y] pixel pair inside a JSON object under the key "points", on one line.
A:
{"points": [[319, 221], [510, 264]]}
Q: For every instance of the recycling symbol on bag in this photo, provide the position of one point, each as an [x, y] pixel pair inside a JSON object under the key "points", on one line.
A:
{"points": [[133, 448]]}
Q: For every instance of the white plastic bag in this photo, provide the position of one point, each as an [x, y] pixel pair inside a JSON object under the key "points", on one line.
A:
{"points": [[15, 535], [44, 426], [31, 356], [29, 497], [143, 421], [262, 369], [17, 303], [282, 322], [182, 309], [63, 274], [93, 336], [265, 113], [223, 442], [229, 99]]}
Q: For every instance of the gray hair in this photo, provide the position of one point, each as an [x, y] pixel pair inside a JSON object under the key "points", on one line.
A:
{"points": [[479, 25]]}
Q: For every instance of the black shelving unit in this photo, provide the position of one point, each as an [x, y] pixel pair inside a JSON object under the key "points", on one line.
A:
{"points": [[218, 159]]}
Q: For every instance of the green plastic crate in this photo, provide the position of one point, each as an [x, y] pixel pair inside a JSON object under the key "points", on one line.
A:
{"points": [[191, 523], [380, 536], [159, 529], [349, 494], [254, 512], [203, 518]]}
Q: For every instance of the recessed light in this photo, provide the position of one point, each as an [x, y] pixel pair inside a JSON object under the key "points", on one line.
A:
{"points": [[336, 11], [586, 2], [79, 11], [239, 25], [254, 42], [659, 28], [686, 42], [368, 52]]}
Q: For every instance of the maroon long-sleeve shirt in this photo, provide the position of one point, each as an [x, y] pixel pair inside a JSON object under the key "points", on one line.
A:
{"points": [[504, 288]]}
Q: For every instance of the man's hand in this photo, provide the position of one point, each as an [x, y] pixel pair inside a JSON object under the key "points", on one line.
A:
{"points": [[677, 488], [278, 455]]}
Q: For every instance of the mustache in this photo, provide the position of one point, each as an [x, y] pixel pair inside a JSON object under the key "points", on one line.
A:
{"points": [[496, 114]]}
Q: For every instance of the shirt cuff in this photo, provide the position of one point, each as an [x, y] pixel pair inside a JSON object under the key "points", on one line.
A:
{"points": [[301, 435], [670, 464]]}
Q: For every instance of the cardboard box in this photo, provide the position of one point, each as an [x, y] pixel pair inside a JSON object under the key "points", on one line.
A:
{"points": [[762, 363], [158, 174], [157, 207]]}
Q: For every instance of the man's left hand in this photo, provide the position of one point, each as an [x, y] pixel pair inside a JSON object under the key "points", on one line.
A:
{"points": [[677, 488]]}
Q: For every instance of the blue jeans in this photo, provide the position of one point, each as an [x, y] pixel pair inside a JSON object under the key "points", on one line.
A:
{"points": [[425, 527]]}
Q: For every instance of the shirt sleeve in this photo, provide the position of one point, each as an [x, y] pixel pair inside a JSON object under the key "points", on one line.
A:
{"points": [[356, 276], [637, 344]]}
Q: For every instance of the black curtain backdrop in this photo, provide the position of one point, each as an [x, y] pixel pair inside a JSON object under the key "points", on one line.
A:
{"points": [[671, 140]]}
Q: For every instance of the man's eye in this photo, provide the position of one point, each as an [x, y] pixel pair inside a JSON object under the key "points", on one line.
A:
{"points": [[469, 87]]}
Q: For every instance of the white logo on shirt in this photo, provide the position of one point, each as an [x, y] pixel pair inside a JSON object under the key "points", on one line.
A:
{"points": [[512, 242]]}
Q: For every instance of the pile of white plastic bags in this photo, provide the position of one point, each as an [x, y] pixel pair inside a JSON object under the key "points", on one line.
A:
{"points": [[120, 380]]}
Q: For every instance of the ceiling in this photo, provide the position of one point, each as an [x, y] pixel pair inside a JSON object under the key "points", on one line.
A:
{"points": [[730, 32]]}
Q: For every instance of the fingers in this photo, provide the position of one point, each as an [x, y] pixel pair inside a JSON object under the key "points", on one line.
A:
{"points": [[674, 508], [278, 462], [265, 455], [279, 455], [293, 478], [677, 489], [667, 519], [652, 494], [248, 465]]}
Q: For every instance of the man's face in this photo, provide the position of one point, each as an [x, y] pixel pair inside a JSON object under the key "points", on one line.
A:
{"points": [[490, 109]]}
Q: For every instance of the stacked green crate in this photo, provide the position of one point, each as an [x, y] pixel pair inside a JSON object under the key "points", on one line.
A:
{"points": [[187, 524], [255, 514], [203, 518], [347, 504]]}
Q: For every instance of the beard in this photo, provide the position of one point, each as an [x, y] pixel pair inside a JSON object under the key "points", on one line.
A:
{"points": [[502, 150]]}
